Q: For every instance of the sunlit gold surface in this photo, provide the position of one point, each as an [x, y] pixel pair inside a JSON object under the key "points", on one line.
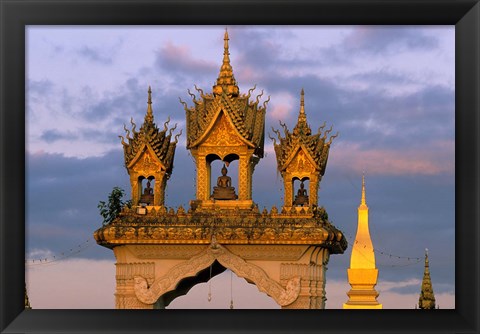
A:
{"points": [[301, 155], [362, 274], [284, 252], [427, 297]]}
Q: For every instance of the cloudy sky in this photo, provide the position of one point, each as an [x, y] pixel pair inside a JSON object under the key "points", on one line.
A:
{"points": [[389, 91]]}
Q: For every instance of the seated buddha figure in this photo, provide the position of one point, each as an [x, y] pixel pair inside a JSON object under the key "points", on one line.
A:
{"points": [[301, 198], [147, 196], [224, 189]]}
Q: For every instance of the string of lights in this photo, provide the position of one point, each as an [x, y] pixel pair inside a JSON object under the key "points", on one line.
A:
{"points": [[59, 256], [386, 255]]}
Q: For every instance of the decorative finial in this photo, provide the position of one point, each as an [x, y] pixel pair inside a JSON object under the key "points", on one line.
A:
{"points": [[149, 115], [225, 42], [302, 126], [364, 202], [302, 102], [226, 81]]}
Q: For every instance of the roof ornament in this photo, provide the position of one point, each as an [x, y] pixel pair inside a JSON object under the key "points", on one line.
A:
{"points": [[149, 115], [363, 202], [226, 81]]}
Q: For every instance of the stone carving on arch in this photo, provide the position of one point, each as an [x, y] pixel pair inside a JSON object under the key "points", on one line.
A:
{"points": [[284, 297]]}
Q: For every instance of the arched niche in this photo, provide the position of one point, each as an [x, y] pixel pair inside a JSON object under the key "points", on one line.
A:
{"points": [[215, 164], [297, 191], [145, 191]]}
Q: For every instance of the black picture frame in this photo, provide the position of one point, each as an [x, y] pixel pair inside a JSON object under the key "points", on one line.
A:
{"points": [[16, 14]]}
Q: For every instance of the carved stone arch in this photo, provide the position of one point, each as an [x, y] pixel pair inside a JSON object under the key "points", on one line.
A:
{"points": [[251, 272]]}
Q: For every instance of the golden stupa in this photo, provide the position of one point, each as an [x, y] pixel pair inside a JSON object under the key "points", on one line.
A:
{"points": [[363, 273]]}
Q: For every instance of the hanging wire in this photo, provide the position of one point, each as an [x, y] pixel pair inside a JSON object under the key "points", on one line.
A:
{"points": [[411, 260], [59, 257]]}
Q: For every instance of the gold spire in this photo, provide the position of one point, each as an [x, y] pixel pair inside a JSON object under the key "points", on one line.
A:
{"points": [[427, 297], [302, 102], [149, 115], [362, 274], [363, 202], [302, 125], [226, 81]]}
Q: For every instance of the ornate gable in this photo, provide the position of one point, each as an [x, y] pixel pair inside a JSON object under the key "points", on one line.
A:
{"points": [[223, 133], [146, 161], [301, 163]]}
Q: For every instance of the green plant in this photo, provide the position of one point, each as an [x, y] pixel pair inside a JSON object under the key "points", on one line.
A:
{"points": [[110, 210]]}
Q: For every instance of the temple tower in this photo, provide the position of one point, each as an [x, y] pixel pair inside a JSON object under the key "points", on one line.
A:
{"points": [[225, 125], [427, 298], [362, 274], [302, 156], [149, 158]]}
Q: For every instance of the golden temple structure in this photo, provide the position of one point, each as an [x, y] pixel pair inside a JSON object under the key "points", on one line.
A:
{"points": [[427, 297], [161, 253], [362, 274]]}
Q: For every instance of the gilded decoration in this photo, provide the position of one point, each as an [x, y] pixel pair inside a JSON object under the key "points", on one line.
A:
{"points": [[223, 134], [229, 227], [146, 163], [283, 250], [300, 164], [283, 296]]}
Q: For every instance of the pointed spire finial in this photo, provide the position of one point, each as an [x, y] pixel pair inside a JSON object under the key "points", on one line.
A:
{"points": [[302, 126], [149, 115], [302, 102], [226, 81], [364, 202], [427, 297]]}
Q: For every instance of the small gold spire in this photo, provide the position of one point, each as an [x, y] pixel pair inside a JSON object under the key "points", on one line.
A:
{"points": [[302, 102], [149, 115], [302, 125], [226, 81], [427, 297], [363, 202]]}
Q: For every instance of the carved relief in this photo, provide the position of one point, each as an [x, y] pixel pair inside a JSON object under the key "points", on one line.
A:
{"points": [[166, 252], [300, 164], [150, 295], [146, 164], [130, 302], [127, 271], [223, 134], [268, 252]]}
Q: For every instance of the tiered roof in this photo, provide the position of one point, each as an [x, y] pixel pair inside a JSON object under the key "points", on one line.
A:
{"points": [[150, 135], [247, 117], [315, 145]]}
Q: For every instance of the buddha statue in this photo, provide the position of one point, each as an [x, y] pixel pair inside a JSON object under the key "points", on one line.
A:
{"points": [[224, 189], [147, 196], [301, 198]]}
